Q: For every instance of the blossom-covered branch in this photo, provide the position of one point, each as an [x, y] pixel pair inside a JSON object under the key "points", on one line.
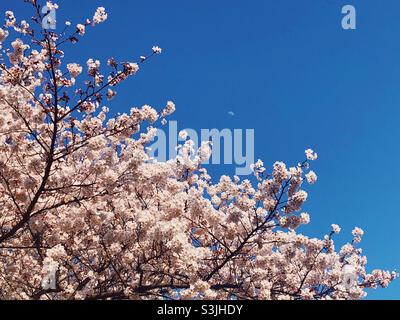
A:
{"points": [[83, 202]]}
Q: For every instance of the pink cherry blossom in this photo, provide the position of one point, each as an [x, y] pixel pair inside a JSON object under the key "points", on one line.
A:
{"points": [[87, 214], [100, 15]]}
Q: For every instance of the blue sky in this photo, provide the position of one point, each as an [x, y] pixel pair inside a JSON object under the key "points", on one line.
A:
{"points": [[287, 69]]}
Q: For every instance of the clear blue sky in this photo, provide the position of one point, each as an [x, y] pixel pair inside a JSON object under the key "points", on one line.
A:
{"points": [[288, 70]]}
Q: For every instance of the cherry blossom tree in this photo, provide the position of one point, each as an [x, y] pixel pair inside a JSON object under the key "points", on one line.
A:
{"points": [[84, 204]]}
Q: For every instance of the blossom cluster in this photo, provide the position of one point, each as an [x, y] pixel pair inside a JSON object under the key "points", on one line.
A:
{"points": [[83, 203]]}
